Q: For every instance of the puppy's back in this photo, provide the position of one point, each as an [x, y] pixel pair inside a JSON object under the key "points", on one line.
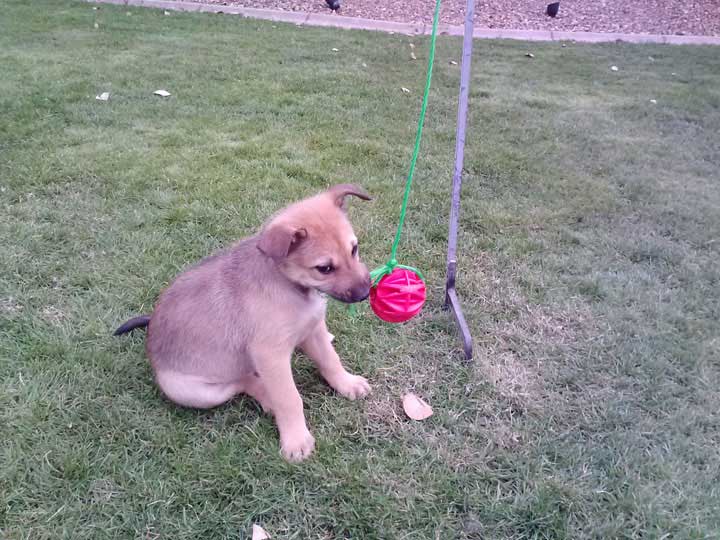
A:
{"points": [[203, 316]]}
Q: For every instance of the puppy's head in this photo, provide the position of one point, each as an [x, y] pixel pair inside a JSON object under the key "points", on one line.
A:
{"points": [[314, 246]]}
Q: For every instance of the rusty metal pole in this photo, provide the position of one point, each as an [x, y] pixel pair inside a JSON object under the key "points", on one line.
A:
{"points": [[452, 301]]}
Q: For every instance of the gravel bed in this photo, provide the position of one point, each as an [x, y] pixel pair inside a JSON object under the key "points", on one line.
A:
{"points": [[699, 17]]}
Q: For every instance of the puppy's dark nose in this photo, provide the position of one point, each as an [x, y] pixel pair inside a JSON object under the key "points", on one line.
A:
{"points": [[360, 292], [362, 296]]}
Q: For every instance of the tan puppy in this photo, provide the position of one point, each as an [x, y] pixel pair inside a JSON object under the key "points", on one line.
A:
{"points": [[230, 324]]}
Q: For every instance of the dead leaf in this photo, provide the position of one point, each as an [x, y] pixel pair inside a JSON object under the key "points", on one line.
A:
{"points": [[258, 533], [162, 93], [103, 97], [415, 407], [405, 90]]}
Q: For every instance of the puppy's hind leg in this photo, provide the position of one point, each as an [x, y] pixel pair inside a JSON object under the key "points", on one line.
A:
{"points": [[318, 346], [195, 391]]}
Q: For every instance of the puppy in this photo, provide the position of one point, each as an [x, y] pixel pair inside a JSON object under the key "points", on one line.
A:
{"points": [[230, 324]]}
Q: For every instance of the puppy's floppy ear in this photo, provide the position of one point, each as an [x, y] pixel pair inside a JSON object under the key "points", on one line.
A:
{"points": [[340, 192], [278, 240]]}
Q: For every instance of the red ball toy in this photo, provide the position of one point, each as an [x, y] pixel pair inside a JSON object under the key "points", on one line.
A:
{"points": [[398, 296]]}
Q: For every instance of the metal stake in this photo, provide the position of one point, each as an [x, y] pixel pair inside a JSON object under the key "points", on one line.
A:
{"points": [[451, 298]]}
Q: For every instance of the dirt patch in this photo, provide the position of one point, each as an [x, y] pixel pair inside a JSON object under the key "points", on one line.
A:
{"points": [[52, 315], [525, 339], [102, 490], [383, 408], [510, 377], [10, 307]]}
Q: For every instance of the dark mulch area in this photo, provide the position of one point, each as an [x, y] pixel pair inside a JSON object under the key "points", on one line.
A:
{"points": [[701, 17]]}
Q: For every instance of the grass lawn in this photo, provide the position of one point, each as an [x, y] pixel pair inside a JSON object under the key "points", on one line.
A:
{"points": [[589, 274]]}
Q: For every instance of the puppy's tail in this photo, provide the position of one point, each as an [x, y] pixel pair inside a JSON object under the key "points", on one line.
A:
{"points": [[140, 321]]}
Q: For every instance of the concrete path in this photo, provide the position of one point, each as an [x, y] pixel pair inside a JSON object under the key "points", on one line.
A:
{"points": [[338, 21]]}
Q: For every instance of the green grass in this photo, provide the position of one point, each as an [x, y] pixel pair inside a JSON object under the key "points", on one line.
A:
{"points": [[589, 273]]}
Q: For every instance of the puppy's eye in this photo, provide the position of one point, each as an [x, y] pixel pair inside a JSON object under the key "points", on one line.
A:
{"points": [[325, 268], [354, 250]]}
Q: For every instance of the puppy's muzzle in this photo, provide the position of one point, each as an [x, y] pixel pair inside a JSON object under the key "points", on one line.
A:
{"points": [[358, 293], [361, 294]]}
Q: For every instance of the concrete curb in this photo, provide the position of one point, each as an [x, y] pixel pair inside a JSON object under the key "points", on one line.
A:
{"points": [[355, 23]]}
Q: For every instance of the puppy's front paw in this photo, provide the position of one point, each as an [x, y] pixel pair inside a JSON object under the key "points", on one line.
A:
{"points": [[352, 386], [298, 445]]}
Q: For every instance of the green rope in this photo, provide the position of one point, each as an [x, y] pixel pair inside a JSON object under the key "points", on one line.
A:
{"points": [[378, 273]]}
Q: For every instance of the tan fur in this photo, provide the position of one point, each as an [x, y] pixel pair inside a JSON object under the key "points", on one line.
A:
{"points": [[230, 324]]}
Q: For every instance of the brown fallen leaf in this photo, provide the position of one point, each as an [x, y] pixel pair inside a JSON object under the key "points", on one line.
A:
{"points": [[258, 533], [415, 407]]}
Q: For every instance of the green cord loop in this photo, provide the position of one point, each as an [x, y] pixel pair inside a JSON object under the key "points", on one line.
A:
{"points": [[377, 274], [388, 267]]}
